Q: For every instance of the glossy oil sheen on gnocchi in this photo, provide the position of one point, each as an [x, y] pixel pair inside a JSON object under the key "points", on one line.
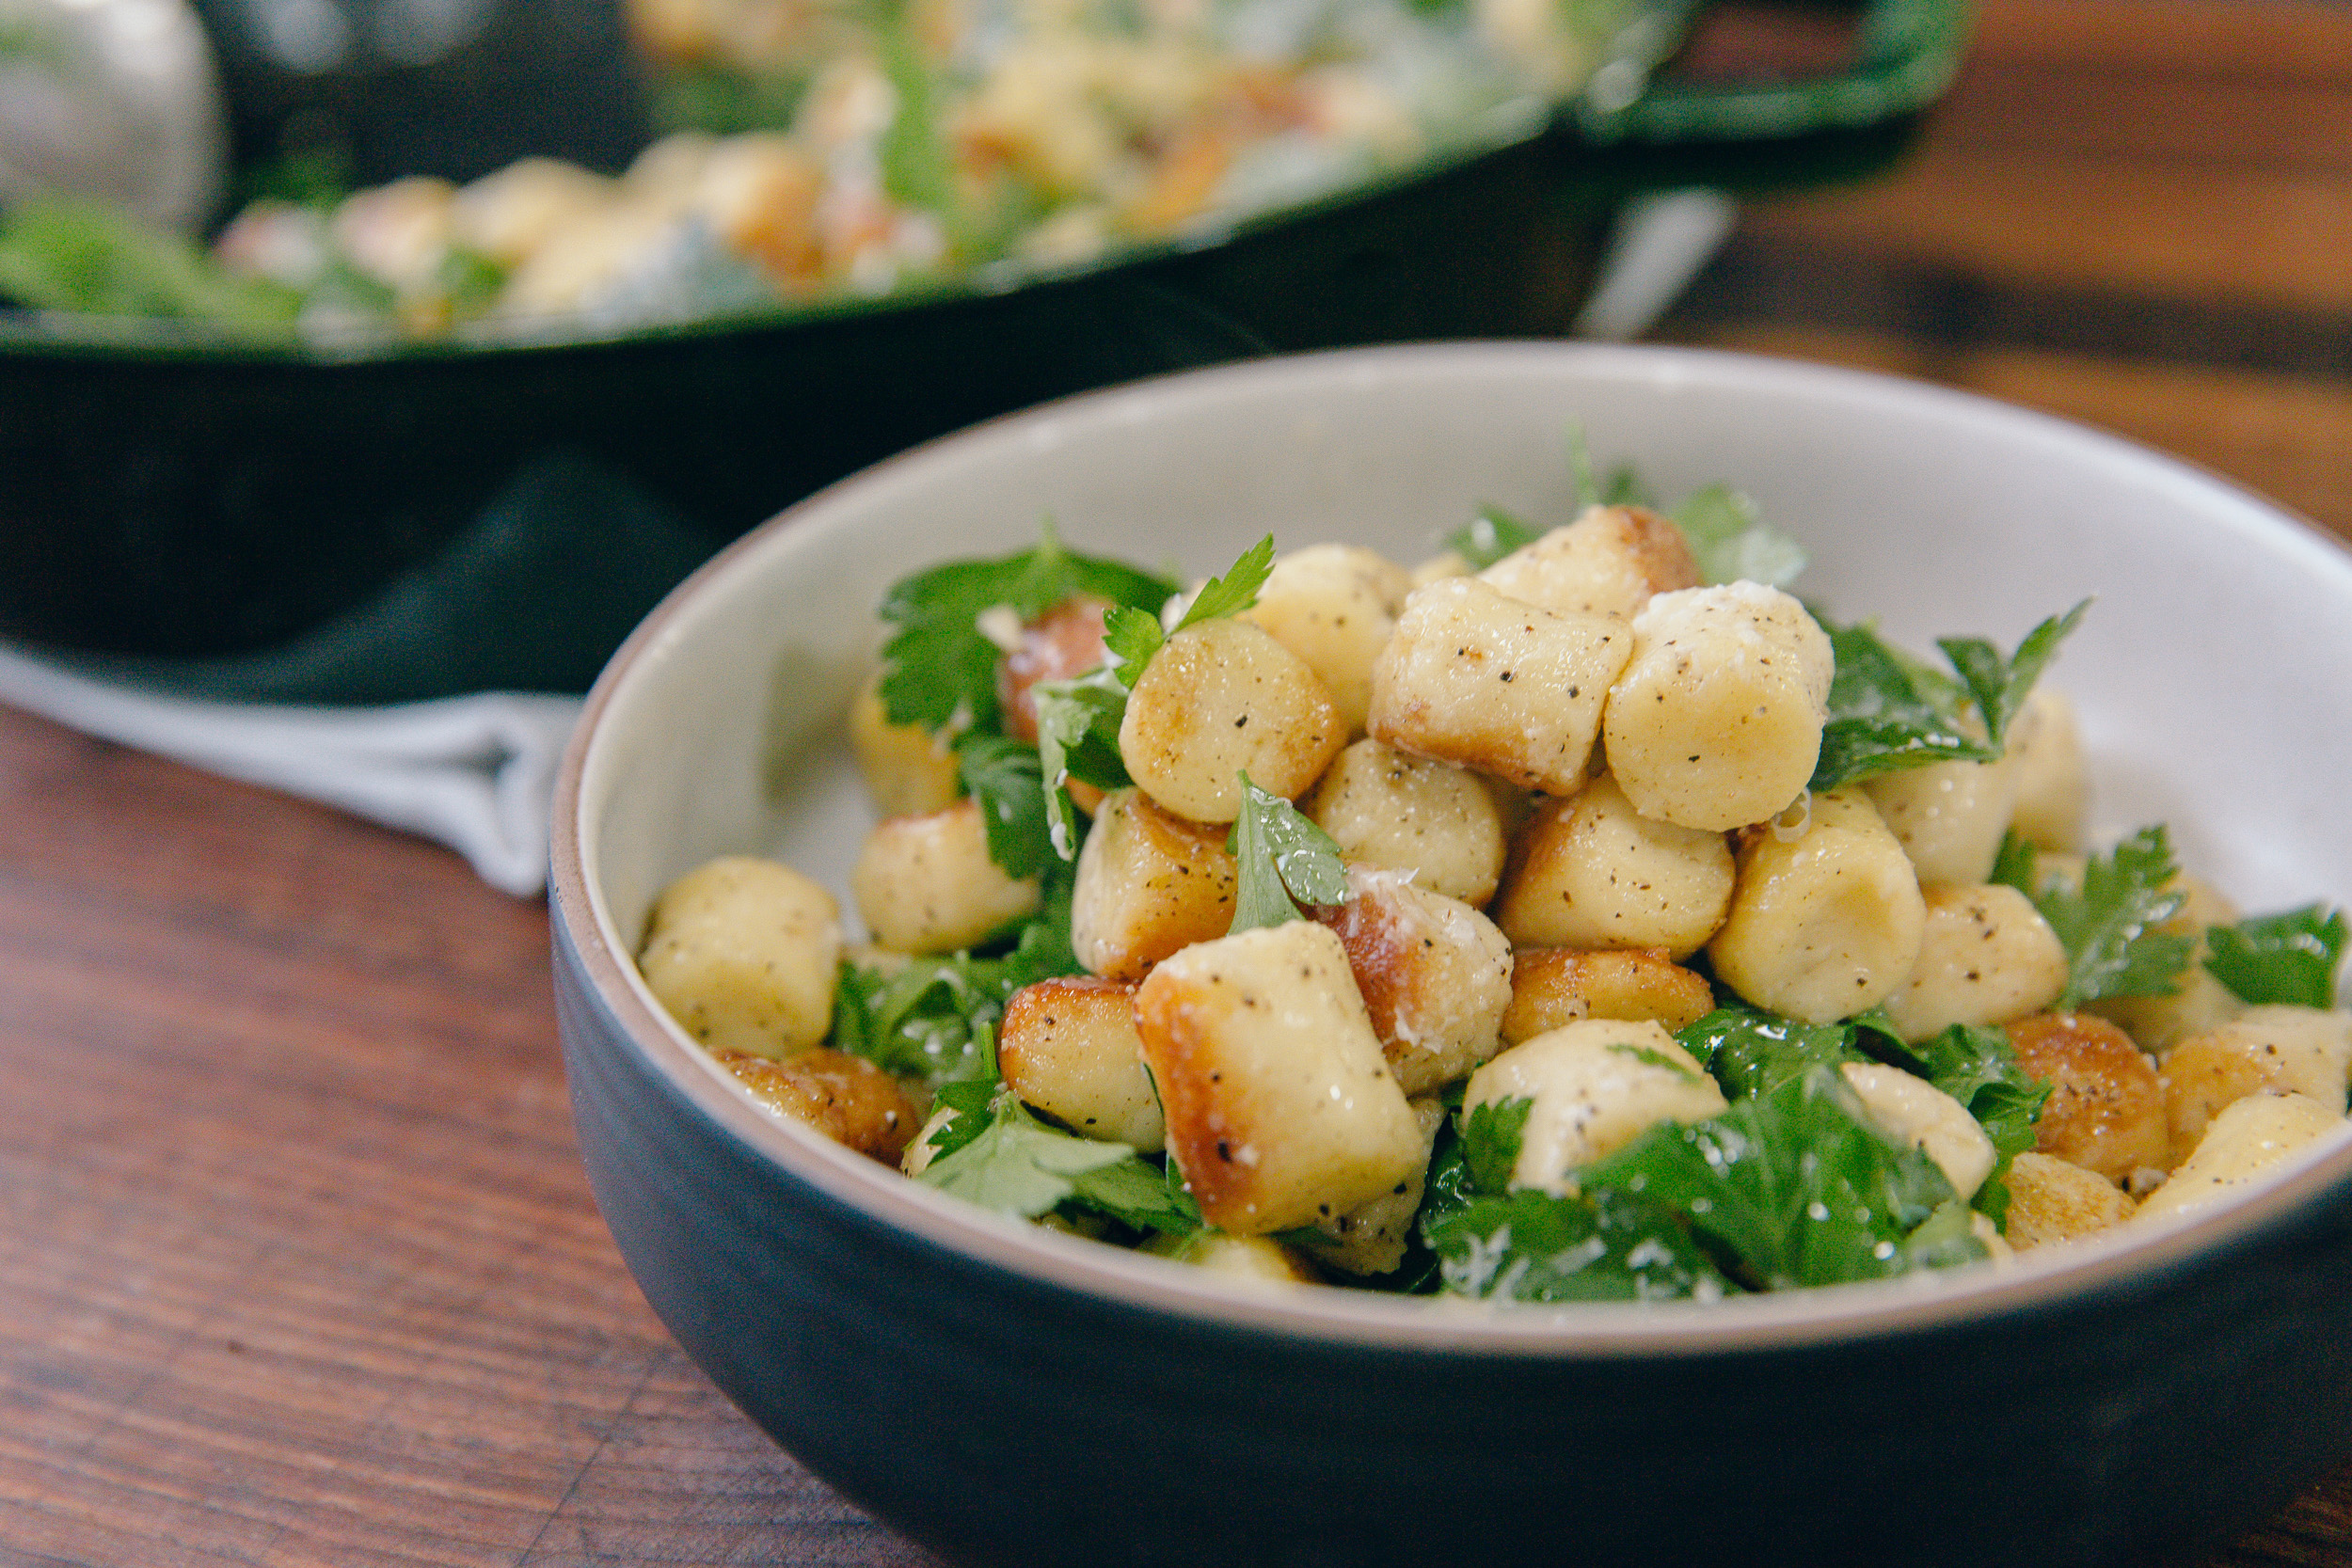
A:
{"points": [[1574, 915]]}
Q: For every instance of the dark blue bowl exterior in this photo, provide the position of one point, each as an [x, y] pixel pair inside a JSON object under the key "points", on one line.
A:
{"points": [[1002, 1419]]}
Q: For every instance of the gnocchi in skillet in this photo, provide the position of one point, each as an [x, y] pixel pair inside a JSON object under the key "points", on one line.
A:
{"points": [[1551, 921]]}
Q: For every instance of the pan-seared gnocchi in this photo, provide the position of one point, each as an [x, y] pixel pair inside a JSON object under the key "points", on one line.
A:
{"points": [[1544, 920]]}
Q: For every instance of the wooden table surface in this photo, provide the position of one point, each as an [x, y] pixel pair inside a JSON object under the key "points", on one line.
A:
{"points": [[298, 1264]]}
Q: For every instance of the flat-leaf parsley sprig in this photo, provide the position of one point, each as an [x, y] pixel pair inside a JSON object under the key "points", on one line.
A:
{"points": [[1282, 856], [940, 665], [1888, 711]]}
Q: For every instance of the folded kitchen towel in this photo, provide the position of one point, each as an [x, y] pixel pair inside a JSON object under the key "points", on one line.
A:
{"points": [[475, 772]]}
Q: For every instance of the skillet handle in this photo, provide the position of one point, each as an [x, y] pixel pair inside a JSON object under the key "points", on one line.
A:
{"points": [[1907, 53]]}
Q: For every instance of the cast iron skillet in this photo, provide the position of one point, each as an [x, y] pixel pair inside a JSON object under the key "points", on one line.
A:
{"points": [[168, 497]]}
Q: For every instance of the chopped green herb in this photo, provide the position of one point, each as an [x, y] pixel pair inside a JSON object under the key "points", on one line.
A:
{"points": [[1732, 543], [1753, 1052], [1004, 776], [1888, 711], [1282, 856], [1999, 685], [942, 669], [2289, 958], [968, 1099], [1017, 1164], [2016, 866], [1489, 536], [1236, 591], [1789, 1188], [919, 167], [61, 254], [935, 1018], [1138, 1195], [1133, 637], [2108, 926], [1130, 637], [1490, 1135], [1077, 738], [1530, 1246]]}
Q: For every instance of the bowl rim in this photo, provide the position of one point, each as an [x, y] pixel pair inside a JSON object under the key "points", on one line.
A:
{"points": [[2113, 1263]]}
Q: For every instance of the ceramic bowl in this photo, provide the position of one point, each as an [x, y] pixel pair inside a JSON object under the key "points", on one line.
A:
{"points": [[1009, 1395]]}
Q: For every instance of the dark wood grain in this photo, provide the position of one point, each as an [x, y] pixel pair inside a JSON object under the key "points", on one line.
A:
{"points": [[297, 1265]]}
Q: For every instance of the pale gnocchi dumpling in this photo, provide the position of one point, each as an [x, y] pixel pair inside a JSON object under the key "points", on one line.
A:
{"points": [[741, 951], [1986, 956], [1910, 1110], [1069, 1047], [1555, 986], [908, 769], [1949, 816], [926, 884], [1148, 884], [1716, 719], [2053, 1200], [1220, 699], [1826, 917], [1334, 606], [2247, 1139], [1433, 819], [1434, 972], [2269, 1050], [1591, 871]]}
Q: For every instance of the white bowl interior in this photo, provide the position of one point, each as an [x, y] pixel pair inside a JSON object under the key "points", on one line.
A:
{"points": [[2213, 676]]}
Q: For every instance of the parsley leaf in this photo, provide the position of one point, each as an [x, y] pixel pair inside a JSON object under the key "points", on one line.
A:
{"points": [[1753, 1052], [1490, 1142], [918, 167], [1491, 1239], [1787, 1188], [1731, 542], [2015, 865], [935, 1018], [1139, 1195], [1077, 738], [1236, 591], [1530, 1246], [1003, 775], [1017, 1164], [1130, 637], [2108, 926], [1281, 855], [942, 671], [1889, 711], [969, 1099], [1489, 536], [2288, 957], [1999, 685]]}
